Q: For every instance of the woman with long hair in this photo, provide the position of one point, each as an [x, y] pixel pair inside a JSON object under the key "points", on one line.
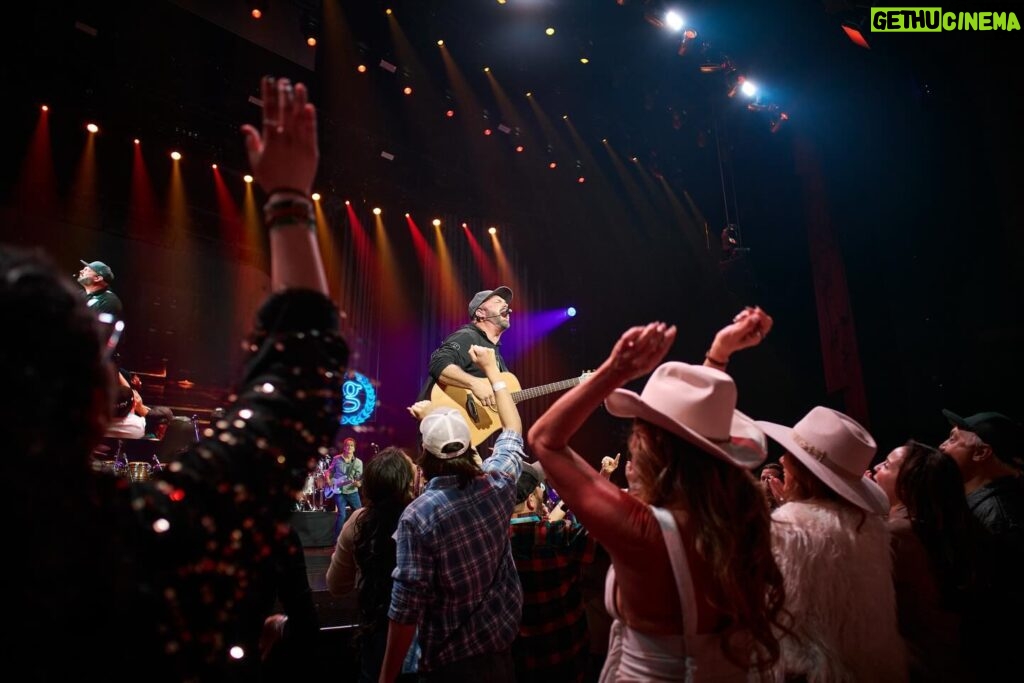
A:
{"points": [[694, 523], [365, 553], [933, 541]]}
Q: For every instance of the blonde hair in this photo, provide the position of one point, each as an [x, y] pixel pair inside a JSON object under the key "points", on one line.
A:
{"points": [[732, 536]]}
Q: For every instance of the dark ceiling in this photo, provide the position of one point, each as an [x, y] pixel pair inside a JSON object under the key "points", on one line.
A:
{"points": [[916, 141]]}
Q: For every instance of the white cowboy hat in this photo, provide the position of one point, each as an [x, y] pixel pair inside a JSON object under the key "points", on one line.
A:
{"points": [[837, 450], [699, 404]]}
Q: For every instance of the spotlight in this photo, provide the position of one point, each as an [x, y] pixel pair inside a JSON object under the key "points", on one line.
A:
{"points": [[376, 211], [45, 108], [584, 60], [674, 20], [550, 30], [450, 113], [529, 94], [519, 148], [487, 69], [487, 131], [492, 230], [136, 141], [465, 226], [256, 8], [571, 311], [854, 32], [92, 128], [581, 180], [748, 88], [553, 164], [407, 90], [734, 80], [361, 68], [689, 36], [176, 155], [213, 166], [407, 215], [310, 29], [440, 43], [315, 196], [247, 178], [348, 203], [436, 222]]}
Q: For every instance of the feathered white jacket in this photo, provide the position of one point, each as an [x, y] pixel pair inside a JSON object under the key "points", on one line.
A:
{"points": [[839, 592]]}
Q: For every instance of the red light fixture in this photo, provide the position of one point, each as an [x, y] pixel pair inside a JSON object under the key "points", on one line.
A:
{"points": [[519, 148], [853, 31], [450, 113], [487, 131]]}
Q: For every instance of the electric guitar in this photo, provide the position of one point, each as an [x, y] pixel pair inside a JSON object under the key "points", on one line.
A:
{"points": [[483, 421]]}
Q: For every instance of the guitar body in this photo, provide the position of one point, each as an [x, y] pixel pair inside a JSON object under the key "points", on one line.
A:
{"points": [[486, 422], [483, 421]]}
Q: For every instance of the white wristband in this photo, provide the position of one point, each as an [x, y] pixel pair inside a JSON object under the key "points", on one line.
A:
{"points": [[499, 385]]}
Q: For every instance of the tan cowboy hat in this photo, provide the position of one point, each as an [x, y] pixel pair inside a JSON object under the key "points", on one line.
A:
{"points": [[698, 404], [837, 450]]}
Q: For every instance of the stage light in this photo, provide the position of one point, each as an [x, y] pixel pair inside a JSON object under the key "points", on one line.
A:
{"points": [[487, 131], [310, 29], [465, 226], [776, 123], [553, 164], [674, 20], [748, 88], [529, 94], [256, 8], [176, 155], [348, 203], [571, 311], [376, 209], [136, 141], [689, 36], [581, 180], [436, 222], [440, 43], [550, 30], [407, 215], [604, 141], [315, 196], [565, 117], [519, 148], [734, 80], [853, 31], [361, 68], [487, 69], [407, 90], [213, 166], [501, 2], [492, 230], [45, 108], [450, 113], [584, 60], [247, 178], [388, 11], [92, 128]]}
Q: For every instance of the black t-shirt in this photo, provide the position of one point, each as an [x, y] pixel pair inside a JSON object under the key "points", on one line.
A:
{"points": [[105, 301], [454, 350]]}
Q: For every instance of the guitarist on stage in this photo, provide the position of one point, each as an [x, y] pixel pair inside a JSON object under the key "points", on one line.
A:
{"points": [[451, 365], [344, 477]]}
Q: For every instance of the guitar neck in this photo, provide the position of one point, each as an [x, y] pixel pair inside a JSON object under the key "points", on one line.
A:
{"points": [[534, 392]]}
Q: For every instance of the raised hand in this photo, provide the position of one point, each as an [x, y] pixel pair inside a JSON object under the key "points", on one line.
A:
{"points": [[609, 464], [285, 155], [640, 349], [748, 328], [483, 357]]}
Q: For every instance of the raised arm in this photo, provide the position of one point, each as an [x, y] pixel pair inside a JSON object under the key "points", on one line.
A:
{"points": [[486, 360], [636, 353], [284, 160], [748, 328]]}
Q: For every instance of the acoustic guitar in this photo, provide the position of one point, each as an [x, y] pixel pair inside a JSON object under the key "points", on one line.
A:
{"points": [[483, 421]]}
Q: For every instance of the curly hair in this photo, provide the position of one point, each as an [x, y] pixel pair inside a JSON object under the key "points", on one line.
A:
{"points": [[732, 528], [931, 487], [387, 487]]}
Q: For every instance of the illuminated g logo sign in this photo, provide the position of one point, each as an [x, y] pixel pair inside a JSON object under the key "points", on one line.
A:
{"points": [[358, 399]]}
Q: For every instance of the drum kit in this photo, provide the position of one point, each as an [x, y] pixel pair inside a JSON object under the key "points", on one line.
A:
{"points": [[113, 461], [312, 497]]}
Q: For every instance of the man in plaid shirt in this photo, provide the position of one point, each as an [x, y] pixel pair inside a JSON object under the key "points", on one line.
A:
{"points": [[455, 579], [553, 641]]}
